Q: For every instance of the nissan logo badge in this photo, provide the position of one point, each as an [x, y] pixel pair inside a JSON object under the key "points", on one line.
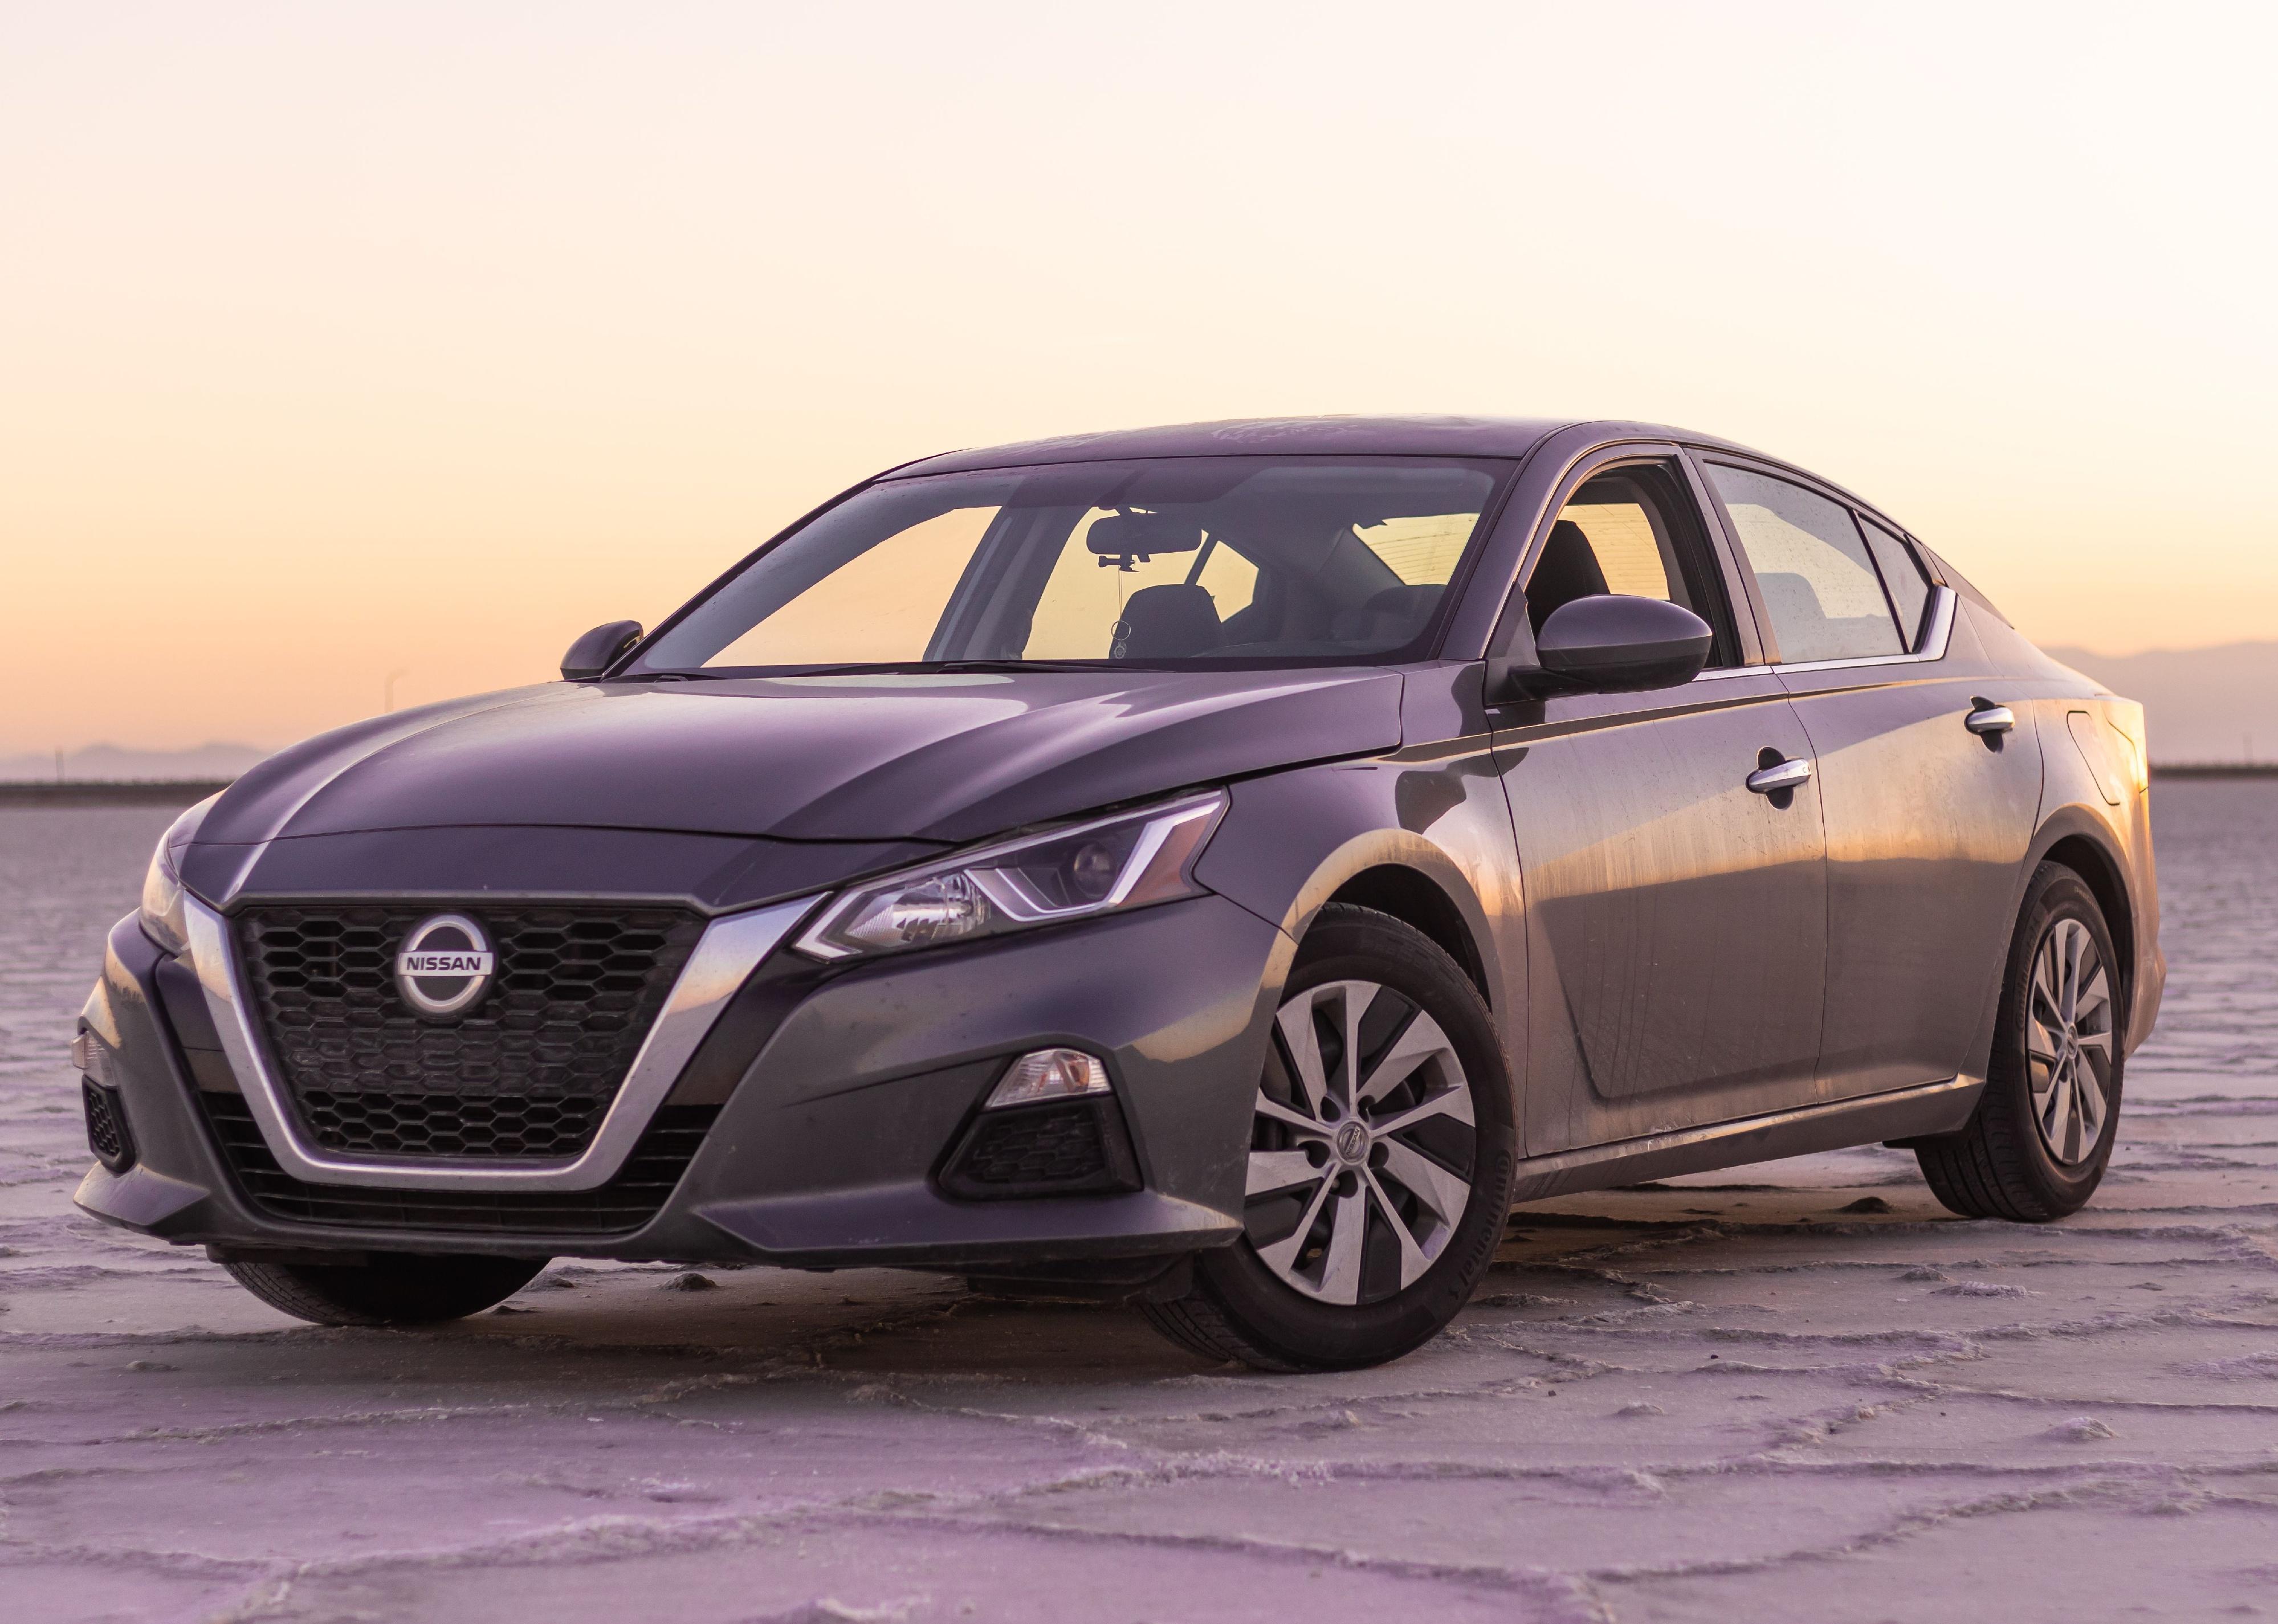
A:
{"points": [[444, 965]]}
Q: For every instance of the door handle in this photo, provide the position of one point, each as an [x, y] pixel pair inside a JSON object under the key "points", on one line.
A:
{"points": [[1986, 718], [1780, 776]]}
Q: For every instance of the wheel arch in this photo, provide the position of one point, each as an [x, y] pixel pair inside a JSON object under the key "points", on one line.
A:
{"points": [[1416, 900], [2076, 843], [1429, 847], [1402, 874]]}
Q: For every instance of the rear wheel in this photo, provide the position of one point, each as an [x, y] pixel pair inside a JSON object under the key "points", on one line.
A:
{"points": [[389, 1289], [2037, 1146], [1382, 1149]]}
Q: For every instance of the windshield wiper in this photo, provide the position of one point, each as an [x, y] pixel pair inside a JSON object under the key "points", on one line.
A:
{"points": [[1024, 665], [914, 667]]}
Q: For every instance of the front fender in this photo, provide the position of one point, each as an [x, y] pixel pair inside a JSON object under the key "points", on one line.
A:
{"points": [[1291, 841]]}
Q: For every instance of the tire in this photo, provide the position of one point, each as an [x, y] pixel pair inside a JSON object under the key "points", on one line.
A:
{"points": [[2028, 1157], [1365, 1230], [392, 1289]]}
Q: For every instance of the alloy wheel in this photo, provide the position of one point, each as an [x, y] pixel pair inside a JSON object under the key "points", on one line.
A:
{"points": [[2068, 1041], [1362, 1145]]}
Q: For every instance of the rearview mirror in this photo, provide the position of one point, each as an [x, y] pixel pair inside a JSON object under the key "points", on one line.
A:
{"points": [[598, 649], [1118, 538], [1612, 645]]}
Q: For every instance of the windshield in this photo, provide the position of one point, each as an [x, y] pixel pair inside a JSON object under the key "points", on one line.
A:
{"points": [[1170, 562]]}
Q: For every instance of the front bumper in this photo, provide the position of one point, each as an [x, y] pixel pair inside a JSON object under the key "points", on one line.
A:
{"points": [[837, 1093]]}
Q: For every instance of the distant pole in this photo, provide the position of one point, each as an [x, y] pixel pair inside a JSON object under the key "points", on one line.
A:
{"points": [[389, 689], [59, 764]]}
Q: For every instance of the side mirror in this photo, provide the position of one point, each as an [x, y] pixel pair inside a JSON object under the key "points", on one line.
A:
{"points": [[1614, 644], [598, 650]]}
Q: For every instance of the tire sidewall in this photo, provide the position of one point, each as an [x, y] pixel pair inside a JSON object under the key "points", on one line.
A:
{"points": [[1357, 944], [2054, 893]]}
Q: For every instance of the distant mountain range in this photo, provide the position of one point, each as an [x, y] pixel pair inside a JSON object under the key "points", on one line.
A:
{"points": [[110, 764], [2199, 705]]}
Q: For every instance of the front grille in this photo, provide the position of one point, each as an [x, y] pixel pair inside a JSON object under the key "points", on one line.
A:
{"points": [[106, 1125], [624, 1204], [445, 1124], [529, 1071]]}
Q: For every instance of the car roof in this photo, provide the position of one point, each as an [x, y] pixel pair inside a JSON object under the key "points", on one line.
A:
{"points": [[1258, 437]]}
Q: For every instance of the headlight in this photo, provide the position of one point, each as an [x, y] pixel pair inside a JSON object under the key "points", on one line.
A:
{"points": [[163, 919], [1071, 873]]}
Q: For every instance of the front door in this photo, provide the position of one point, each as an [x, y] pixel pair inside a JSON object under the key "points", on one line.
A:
{"points": [[1675, 921]]}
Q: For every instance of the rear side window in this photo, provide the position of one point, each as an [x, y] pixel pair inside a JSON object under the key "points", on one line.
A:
{"points": [[1817, 580], [1902, 575]]}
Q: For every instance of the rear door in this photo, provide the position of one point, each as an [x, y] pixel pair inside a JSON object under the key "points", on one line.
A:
{"points": [[1675, 921], [1926, 820]]}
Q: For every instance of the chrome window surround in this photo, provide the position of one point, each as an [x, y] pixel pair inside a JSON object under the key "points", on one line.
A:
{"points": [[1934, 641], [725, 956]]}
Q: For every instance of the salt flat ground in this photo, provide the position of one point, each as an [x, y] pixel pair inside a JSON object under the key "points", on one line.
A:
{"points": [[1730, 1397]]}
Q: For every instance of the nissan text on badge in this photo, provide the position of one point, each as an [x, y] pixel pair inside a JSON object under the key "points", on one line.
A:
{"points": [[1223, 868]]}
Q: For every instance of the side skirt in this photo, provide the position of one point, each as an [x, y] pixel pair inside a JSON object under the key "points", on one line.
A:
{"points": [[1905, 1113]]}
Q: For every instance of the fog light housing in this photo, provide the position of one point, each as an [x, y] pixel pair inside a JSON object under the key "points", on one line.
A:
{"points": [[86, 1056], [107, 1134], [1051, 1127], [1045, 1074]]}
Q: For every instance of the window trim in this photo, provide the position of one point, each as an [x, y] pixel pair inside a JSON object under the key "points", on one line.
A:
{"points": [[1937, 634], [1938, 618], [1670, 458]]}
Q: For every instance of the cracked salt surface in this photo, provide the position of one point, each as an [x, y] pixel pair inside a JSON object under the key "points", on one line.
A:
{"points": [[1800, 1390]]}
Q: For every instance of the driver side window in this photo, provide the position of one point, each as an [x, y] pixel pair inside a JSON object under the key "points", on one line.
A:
{"points": [[1627, 531]]}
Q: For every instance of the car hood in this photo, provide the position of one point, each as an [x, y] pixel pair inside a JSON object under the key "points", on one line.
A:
{"points": [[947, 757]]}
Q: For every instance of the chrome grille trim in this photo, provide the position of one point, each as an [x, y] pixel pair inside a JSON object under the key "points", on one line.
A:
{"points": [[730, 950]]}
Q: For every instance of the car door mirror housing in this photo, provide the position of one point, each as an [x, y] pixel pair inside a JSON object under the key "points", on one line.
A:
{"points": [[598, 649], [1610, 644]]}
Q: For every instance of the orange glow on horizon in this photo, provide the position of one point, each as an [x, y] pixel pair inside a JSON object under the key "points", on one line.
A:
{"points": [[353, 339]]}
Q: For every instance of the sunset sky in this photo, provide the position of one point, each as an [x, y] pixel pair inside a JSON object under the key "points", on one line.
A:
{"points": [[344, 340]]}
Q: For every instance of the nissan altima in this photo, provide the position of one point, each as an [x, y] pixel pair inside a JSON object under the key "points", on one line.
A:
{"points": [[1224, 868]]}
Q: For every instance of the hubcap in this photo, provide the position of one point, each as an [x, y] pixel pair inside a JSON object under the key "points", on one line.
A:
{"points": [[2068, 1041], [1361, 1148]]}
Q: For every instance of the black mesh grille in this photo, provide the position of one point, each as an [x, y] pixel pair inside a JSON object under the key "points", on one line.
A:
{"points": [[624, 1204], [106, 1125], [1077, 1147], [530, 1070], [1046, 1146]]}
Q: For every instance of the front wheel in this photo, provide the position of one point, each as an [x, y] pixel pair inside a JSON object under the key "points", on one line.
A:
{"points": [[2037, 1146], [388, 1289], [1383, 1149]]}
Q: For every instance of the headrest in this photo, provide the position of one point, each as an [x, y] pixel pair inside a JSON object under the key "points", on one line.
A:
{"points": [[1567, 570], [1389, 618], [1166, 622], [1785, 589]]}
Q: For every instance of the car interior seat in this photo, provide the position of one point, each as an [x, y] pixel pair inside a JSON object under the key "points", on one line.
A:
{"points": [[1395, 616], [1166, 622], [1567, 570], [1806, 631]]}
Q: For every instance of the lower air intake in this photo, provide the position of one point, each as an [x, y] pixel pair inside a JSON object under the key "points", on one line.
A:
{"points": [[623, 1205], [106, 1125], [1071, 1148]]}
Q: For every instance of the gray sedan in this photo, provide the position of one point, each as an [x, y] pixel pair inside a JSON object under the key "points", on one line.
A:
{"points": [[1224, 867]]}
